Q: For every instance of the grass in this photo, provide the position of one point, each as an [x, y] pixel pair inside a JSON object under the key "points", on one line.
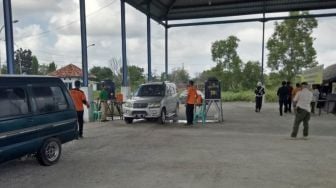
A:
{"points": [[248, 96]]}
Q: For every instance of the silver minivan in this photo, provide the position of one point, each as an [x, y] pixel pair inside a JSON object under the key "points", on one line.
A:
{"points": [[152, 101]]}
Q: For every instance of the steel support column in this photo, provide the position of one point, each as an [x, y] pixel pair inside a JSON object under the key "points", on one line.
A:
{"points": [[166, 50], [262, 50], [149, 56], [123, 44], [84, 43], [7, 9]]}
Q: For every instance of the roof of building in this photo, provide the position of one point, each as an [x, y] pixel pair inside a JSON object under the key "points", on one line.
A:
{"points": [[69, 71], [161, 10], [329, 73]]}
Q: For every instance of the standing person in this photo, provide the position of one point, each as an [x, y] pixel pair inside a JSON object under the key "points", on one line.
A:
{"points": [[79, 98], [302, 104], [190, 102], [316, 95], [289, 98], [259, 92], [296, 89], [103, 97], [283, 95]]}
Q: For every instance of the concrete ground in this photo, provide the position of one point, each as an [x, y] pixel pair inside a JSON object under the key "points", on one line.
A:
{"points": [[247, 150]]}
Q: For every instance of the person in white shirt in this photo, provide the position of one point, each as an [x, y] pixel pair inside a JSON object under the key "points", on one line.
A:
{"points": [[316, 94], [301, 103]]}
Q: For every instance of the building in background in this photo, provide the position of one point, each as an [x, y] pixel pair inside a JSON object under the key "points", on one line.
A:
{"points": [[70, 73]]}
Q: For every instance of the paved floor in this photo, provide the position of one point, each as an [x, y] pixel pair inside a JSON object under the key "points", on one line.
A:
{"points": [[247, 150]]}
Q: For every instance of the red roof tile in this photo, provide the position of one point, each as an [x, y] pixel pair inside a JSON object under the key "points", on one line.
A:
{"points": [[68, 71]]}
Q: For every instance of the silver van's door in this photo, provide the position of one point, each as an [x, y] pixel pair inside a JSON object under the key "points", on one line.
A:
{"points": [[171, 102], [15, 122]]}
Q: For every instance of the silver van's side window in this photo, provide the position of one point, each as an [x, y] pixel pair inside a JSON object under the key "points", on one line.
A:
{"points": [[49, 99], [13, 101]]}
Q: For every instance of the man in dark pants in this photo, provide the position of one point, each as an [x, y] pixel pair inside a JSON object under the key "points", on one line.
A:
{"points": [[283, 96], [79, 99], [302, 102], [190, 102], [259, 92], [289, 99]]}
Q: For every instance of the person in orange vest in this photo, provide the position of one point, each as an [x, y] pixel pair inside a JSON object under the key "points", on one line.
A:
{"points": [[79, 98], [190, 102]]}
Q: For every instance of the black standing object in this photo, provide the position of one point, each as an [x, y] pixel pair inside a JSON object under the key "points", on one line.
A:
{"points": [[110, 87], [212, 88]]}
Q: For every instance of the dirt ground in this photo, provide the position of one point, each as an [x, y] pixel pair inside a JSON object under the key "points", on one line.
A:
{"points": [[248, 149]]}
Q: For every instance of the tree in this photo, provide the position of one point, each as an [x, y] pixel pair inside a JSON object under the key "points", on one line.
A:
{"points": [[179, 75], [43, 69], [291, 46], [52, 67], [4, 69], [224, 53], [23, 61], [251, 74], [35, 66], [101, 73], [136, 76]]}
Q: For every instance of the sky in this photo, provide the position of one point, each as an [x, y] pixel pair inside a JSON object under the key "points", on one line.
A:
{"points": [[51, 30]]}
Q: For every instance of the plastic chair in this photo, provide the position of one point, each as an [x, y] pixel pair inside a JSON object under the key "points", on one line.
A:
{"points": [[200, 111], [97, 114]]}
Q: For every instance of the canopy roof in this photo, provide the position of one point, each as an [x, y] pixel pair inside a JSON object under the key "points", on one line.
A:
{"points": [[161, 10]]}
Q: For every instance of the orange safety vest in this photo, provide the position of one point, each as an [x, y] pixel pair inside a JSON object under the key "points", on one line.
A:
{"points": [[192, 95], [78, 97]]}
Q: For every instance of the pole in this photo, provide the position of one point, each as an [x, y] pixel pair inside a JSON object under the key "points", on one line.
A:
{"points": [[262, 50], [166, 50], [84, 43], [123, 43], [149, 43], [7, 9]]}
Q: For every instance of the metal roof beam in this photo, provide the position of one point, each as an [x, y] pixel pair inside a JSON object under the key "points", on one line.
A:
{"points": [[251, 20]]}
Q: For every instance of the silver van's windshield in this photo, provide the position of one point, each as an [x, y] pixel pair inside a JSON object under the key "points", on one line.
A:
{"points": [[150, 91]]}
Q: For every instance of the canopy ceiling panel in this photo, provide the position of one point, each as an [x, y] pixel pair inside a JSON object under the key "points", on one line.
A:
{"points": [[161, 10]]}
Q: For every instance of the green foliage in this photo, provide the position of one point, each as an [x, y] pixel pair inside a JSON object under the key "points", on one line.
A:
{"points": [[248, 96], [136, 76], [291, 46], [179, 75], [229, 65], [4, 69], [52, 67], [23, 61], [43, 69], [35, 65], [250, 75], [101, 73]]}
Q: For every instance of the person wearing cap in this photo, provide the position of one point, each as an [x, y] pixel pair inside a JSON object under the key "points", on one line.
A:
{"points": [[79, 98], [259, 92], [301, 103]]}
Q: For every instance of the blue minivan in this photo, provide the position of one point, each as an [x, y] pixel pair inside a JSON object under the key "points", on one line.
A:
{"points": [[36, 117]]}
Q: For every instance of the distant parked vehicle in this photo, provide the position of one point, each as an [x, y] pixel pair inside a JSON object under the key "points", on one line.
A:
{"points": [[152, 101], [37, 116]]}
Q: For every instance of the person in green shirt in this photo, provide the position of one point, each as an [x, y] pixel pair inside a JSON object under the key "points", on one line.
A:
{"points": [[103, 97]]}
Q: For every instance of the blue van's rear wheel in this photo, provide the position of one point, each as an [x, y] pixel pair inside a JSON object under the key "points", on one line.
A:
{"points": [[50, 152]]}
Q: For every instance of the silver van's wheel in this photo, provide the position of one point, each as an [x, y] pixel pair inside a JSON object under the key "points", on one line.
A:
{"points": [[50, 152], [162, 118]]}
